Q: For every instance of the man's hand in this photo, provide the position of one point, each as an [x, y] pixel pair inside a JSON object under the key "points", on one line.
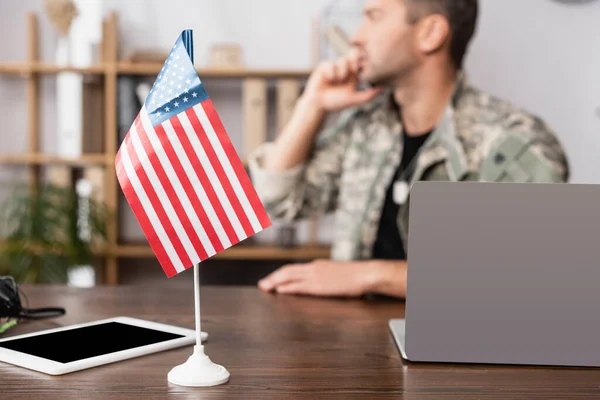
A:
{"points": [[320, 278], [333, 85], [330, 87], [339, 279]]}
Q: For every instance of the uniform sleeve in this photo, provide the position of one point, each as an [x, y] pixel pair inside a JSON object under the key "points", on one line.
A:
{"points": [[308, 189], [526, 156]]}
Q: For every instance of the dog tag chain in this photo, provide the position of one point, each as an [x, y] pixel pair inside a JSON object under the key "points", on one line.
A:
{"points": [[401, 188]]}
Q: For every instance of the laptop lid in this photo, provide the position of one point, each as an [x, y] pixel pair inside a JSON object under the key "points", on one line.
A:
{"points": [[504, 273]]}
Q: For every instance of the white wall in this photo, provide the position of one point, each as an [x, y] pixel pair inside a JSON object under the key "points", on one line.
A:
{"points": [[537, 53], [545, 56]]}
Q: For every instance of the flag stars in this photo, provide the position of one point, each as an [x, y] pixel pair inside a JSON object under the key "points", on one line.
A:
{"points": [[187, 82], [185, 99], [176, 104], [179, 86], [167, 109], [194, 94], [158, 113]]}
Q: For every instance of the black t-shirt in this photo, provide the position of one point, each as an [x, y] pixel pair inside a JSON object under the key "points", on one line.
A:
{"points": [[388, 245]]}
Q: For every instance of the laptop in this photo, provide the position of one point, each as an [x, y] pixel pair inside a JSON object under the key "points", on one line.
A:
{"points": [[502, 273]]}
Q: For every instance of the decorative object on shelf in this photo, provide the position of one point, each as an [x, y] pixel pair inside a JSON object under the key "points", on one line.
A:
{"points": [[286, 236], [146, 56], [226, 55], [255, 113], [83, 275], [337, 39], [337, 21], [43, 236], [61, 14], [79, 25]]}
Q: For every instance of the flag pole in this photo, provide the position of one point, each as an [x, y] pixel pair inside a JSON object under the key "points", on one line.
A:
{"points": [[199, 369], [188, 42], [197, 304]]}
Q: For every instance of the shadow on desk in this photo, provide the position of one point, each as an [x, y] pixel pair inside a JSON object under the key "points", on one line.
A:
{"points": [[212, 272]]}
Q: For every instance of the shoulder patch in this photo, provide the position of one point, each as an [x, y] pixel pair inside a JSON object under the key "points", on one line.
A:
{"points": [[517, 159], [502, 157]]}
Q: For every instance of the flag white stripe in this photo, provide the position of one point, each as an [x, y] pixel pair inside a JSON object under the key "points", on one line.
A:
{"points": [[158, 188], [199, 189], [149, 210], [212, 175], [235, 183]]}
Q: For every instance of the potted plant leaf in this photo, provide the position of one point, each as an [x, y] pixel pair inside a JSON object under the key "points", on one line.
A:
{"points": [[48, 232]]}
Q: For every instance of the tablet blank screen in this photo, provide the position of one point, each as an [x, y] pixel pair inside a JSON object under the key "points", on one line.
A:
{"points": [[90, 341]]}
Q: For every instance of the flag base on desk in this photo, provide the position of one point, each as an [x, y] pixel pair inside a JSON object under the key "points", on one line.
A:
{"points": [[198, 370]]}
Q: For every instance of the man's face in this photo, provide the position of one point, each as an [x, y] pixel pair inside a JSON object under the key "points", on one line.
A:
{"points": [[385, 42]]}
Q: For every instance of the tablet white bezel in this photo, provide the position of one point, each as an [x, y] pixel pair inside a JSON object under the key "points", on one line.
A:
{"points": [[56, 368]]}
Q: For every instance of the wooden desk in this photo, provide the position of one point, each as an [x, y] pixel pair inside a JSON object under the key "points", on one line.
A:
{"points": [[275, 348]]}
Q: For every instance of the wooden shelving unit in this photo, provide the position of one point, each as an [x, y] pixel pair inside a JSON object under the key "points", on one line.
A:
{"points": [[46, 159], [154, 68], [239, 252], [109, 69], [46, 68]]}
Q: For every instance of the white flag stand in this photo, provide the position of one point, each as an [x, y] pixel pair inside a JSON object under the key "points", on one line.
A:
{"points": [[198, 370]]}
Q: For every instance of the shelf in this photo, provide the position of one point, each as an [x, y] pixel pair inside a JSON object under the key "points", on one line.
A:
{"points": [[154, 69], [46, 68], [41, 159], [241, 252], [129, 68]]}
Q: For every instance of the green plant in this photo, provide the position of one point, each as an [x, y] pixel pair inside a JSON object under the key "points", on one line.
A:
{"points": [[41, 233]]}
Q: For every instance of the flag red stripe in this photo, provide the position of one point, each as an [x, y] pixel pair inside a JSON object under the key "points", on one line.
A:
{"points": [[136, 206], [218, 167], [238, 167], [192, 231], [154, 199], [204, 180]]}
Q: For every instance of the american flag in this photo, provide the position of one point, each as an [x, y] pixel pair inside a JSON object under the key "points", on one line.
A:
{"points": [[180, 173]]}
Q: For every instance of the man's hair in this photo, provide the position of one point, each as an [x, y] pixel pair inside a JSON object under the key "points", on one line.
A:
{"points": [[461, 16]]}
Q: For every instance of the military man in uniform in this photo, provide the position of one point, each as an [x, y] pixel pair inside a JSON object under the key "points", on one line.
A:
{"points": [[419, 120]]}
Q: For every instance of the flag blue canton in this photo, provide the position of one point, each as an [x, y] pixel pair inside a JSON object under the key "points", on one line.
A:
{"points": [[177, 87]]}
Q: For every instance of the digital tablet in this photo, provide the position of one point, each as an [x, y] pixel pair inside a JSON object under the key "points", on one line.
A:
{"points": [[72, 348]]}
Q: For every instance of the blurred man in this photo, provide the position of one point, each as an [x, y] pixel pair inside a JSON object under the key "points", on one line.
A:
{"points": [[420, 120]]}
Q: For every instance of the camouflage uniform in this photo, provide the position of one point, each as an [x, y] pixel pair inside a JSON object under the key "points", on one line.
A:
{"points": [[480, 138]]}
